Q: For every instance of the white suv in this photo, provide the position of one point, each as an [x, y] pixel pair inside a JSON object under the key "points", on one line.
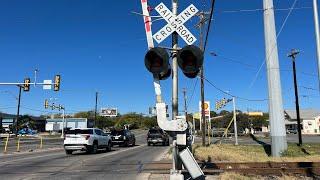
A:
{"points": [[86, 139]]}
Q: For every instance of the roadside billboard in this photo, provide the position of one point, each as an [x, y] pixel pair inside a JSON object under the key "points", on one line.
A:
{"points": [[109, 112]]}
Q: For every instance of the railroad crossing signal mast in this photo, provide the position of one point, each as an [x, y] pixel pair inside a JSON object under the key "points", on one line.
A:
{"points": [[157, 61]]}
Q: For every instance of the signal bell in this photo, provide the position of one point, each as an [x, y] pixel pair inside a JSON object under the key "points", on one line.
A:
{"points": [[190, 60], [157, 62]]}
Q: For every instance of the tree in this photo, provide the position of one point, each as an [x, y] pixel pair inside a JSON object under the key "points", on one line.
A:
{"points": [[213, 114], [84, 114], [224, 112]]}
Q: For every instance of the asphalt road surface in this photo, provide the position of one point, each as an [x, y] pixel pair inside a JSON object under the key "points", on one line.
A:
{"points": [[120, 163]]}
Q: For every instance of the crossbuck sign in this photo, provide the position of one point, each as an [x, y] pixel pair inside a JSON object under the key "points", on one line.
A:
{"points": [[175, 23]]}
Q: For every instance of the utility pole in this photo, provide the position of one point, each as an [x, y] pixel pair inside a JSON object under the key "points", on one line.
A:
{"points": [[277, 123], [95, 110], [185, 102], [203, 19], [316, 25], [177, 164], [293, 54], [18, 111]]}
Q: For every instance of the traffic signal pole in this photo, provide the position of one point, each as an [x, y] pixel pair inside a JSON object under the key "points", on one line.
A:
{"points": [[235, 121], [18, 110]]}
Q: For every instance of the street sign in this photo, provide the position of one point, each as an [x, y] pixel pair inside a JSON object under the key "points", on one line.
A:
{"points": [[47, 85], [175, 23]]}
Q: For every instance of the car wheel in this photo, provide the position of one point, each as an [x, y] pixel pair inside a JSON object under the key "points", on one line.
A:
{"points": [[94, 148], [134, 143], [164, 143], [68, 152], [149, 144], [126, 144], [109, 147], [168, 143]]}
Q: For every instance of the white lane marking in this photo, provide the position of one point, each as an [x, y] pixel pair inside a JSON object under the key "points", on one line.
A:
{"points": [[114, 153]]}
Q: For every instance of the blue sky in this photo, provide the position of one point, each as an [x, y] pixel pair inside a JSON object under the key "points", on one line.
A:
{"points": [[99, 45]]}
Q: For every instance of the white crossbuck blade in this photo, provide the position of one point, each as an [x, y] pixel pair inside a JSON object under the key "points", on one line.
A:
{"points": [[175, 23]]}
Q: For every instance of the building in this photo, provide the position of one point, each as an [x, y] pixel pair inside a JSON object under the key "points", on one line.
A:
{"points": [[310, 121], [7, 122], [57, 124]]}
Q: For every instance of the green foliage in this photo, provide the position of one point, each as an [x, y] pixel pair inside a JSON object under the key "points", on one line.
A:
{"points": [[213, 114], [26, 121], [85, 114]]}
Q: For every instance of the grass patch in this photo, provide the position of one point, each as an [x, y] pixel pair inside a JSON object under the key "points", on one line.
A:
{"points": [[256, 153], [235, 176]]}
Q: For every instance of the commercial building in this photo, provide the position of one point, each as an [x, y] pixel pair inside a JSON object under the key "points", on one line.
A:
{"points": [[57, 123], [310, 121]]}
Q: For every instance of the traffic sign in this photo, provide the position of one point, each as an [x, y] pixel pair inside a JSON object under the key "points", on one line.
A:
{"points": [[206, 107], [47, 85], [175, 23]]}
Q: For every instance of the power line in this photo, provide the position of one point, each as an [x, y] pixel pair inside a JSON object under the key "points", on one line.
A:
{"points": [[9, 107], [193, 91], [260, 9], [227, 93], [255, 67], [282, 27], [209, 25]]}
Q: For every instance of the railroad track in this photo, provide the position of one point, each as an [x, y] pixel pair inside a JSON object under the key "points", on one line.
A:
{"points": [[311, 169]]}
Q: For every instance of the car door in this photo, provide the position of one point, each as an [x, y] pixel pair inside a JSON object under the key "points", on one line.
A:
{"points": [[99, 137]]}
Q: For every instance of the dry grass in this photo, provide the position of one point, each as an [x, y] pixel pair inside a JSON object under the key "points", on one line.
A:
{"points": [[235, 176], [256, 153]]}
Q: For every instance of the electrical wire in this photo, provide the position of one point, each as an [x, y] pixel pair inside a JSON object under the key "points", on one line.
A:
{"points": [[260, 9], [232, 95], [209, 26], [193, 91], [274, 46], [255, 67]]}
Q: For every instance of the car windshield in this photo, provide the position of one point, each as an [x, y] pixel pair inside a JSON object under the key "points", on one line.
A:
{"points": [[154, 131], [80, 131], [117, 133]]}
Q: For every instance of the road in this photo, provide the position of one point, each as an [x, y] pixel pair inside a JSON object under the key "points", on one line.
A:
{"points": [[120, 163]]}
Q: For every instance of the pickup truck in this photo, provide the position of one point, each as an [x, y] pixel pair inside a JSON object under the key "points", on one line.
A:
{"points": [[86, 139]]}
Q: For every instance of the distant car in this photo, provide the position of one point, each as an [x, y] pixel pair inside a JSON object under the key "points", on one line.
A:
{"points": [[292, 131], [157, 136], [27, 131], [86, 139], [123, 137]]}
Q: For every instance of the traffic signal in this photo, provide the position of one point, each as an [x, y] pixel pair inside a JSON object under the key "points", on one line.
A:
{"points": [[26, 85], [157, 62], [57, 80], [190, 60], [46, 104]]}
